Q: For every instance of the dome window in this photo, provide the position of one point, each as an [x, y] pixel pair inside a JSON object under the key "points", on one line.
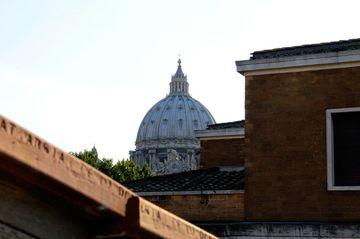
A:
{"points": [[158, 109], [165, 121], [180, 122], [196, 123], [180, 107], [152, 121], [192, 108]]}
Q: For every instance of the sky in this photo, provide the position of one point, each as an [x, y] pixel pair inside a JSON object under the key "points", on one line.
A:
{"points": [[84, 73]]}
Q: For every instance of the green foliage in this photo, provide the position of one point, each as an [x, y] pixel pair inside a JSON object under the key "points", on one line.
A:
{"points": [[121, 171]]}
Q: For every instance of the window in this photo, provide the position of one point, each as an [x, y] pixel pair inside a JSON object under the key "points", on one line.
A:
{"points": [[343, 148]]}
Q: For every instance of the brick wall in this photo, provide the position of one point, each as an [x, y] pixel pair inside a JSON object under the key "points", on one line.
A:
{"points": [[286, 146], [203, 207], [222, 152]]}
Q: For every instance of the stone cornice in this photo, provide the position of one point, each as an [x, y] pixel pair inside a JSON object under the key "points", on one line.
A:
{"points": [[168, 143], [208, 134], [330, 60]]}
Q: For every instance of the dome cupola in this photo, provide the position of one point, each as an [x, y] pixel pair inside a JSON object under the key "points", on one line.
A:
{"points": [[166, 133]]}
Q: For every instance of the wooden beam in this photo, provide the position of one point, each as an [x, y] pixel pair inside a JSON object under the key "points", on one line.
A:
{"points": [[36, 164], [30, 152], [145, 215]]}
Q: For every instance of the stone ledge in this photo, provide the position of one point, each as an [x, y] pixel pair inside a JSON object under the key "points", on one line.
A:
{"points": [[321, 61], [208, 134], [282, 230]]}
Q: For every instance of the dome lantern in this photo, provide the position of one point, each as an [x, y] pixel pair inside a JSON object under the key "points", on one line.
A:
{"points": [[179, 84]]}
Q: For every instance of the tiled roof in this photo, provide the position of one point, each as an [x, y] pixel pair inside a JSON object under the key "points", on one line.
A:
{"points": [[353, 44], [196, 180], [228, 125]]}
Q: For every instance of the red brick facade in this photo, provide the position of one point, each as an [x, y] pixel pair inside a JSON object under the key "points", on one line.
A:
{"points": [[222, 152], [286, 163], [203, 207]]}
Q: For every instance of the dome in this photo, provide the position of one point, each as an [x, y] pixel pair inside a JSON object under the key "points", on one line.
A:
{"points": [[166, 139], [176, 116]]}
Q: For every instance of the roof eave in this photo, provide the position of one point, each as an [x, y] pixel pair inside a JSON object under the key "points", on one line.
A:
{"points": [[220, 133], [204, 192], [295, 63]]}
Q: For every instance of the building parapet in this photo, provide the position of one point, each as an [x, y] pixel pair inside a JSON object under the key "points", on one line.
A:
{"points": [[321, 56]]}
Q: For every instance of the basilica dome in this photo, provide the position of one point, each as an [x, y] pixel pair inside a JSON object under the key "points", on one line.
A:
{"points": [[174, 117], [167, 130]]}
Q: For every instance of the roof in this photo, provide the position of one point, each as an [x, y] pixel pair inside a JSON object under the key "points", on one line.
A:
{"points": [[320, 56], [229, 130], [227, 125], [335, 46], [213, 179]]}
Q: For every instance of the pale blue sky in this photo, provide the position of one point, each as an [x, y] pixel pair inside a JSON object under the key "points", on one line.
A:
{"points": [[80, 73]]}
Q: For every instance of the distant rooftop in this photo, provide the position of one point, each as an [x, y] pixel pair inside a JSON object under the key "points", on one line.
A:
{"points": [[227, 125], [344, 45], [196, 180]]}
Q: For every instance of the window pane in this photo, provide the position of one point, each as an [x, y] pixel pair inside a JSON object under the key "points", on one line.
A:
{"points": [[346, 128]]}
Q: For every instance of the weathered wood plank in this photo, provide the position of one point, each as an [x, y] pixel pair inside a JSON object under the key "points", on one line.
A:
{"points": [[38, 217], [34, 163], [32, 151], [156, 220], [8, 232]]}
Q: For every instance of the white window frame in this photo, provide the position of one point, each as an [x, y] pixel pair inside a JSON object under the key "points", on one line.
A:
{"points": [[330, 150]]}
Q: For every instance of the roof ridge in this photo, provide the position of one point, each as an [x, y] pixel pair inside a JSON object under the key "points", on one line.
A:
{"points": [[321, 47]]}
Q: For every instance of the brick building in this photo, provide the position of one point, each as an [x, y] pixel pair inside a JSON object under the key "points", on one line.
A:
{"points": [[229, 137], [213, 195], [304, 100], [301, 146]]}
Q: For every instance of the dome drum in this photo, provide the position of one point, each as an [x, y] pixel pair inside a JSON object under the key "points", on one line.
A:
{"points": [[169, 143]]}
